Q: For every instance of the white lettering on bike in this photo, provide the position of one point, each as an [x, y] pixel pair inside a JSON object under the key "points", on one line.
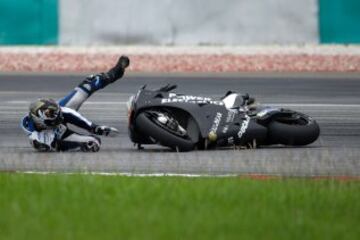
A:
{"points": [[230, 116], [225, 129], [216, 123], [244, 126], [190, 99]]}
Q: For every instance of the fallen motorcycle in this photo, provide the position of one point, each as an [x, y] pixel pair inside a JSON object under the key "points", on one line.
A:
{"points": [[185, 122]]}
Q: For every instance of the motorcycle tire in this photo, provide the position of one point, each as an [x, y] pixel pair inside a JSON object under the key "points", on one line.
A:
{"points": [[293, 133], [164, 137]]}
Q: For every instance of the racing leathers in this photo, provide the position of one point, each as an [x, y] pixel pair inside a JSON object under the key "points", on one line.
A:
{"points": [[65, 135]]}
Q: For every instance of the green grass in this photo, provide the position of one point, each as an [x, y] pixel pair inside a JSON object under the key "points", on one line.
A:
{"points": [[114, 207]]}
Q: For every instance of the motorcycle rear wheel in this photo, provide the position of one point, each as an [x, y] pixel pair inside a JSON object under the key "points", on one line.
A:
{"points": [[302, 130], [160, 134]]}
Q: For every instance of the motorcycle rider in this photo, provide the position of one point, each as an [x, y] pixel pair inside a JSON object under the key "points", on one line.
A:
{"points": [[48, 123]]}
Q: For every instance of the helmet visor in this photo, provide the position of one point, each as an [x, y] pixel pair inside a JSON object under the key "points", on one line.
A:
{"points": [[51, 113]]}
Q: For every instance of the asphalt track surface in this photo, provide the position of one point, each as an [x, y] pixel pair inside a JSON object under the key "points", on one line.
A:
{"points": [[333, 101]]}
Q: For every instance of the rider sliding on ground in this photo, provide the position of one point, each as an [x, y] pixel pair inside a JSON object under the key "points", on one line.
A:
{"points": [[48, 123]]}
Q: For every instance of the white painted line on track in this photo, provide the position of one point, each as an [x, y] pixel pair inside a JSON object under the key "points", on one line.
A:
{"points": [[259, 176], [128, 174], [325, 105], [15, 102]]}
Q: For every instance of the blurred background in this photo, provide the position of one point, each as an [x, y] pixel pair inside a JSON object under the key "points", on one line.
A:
{"points": [[174, 22]]}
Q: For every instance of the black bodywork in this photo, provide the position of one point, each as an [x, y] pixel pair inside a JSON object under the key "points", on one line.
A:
{"points": [[207, 121], [186, 122]]}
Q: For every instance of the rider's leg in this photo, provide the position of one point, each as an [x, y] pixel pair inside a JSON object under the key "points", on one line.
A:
{"points": [[83, 91], [72, 141], [93, 83]]}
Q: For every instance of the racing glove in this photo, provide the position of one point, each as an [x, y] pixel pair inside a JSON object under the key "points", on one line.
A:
{"points": [[104, 130]]}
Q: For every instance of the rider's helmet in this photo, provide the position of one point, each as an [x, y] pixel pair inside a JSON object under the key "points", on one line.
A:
{"points": [[46, 113]]}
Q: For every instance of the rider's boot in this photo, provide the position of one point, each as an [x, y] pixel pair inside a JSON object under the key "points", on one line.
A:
{"points": [[118, 70], [101, 80], [91, 146]]}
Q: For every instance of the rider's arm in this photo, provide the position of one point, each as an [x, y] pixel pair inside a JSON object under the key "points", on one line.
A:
{"points": [[43, 141], [27, 125], [73, 117]]}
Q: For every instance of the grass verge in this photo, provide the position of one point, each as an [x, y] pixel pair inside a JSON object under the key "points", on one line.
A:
{"points": [[59, 206]]}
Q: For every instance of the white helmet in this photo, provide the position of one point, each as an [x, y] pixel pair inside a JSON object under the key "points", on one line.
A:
{"points": [[46, 113]]}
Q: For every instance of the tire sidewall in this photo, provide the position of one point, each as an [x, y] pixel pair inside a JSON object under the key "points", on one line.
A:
{"points": [[296, 135], [165, 138]]}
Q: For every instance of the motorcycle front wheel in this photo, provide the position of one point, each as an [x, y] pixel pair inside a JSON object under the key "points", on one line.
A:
{"points": [[147, 124]]}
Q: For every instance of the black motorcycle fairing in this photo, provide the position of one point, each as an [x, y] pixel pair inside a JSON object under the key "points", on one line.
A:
{"points": [[205, 123], [201, 111], [203, 118]]}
